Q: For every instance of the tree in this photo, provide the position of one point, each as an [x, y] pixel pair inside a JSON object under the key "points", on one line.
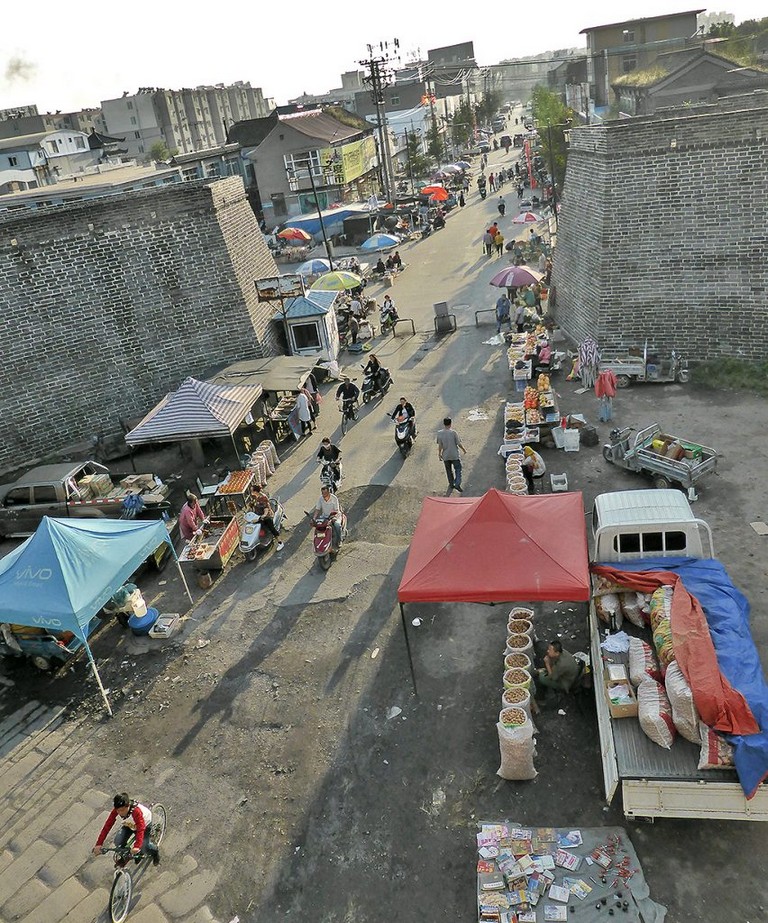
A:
{"points": [[419, 163], [488, 106], [435, 144], [462, 124], [553, 118], [159, 151]]}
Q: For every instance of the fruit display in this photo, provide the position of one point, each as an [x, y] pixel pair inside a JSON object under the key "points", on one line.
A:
{"points": [[546, 399], [236, 483], [543, 384], [532, 417], [514, 412], [531, 398]]}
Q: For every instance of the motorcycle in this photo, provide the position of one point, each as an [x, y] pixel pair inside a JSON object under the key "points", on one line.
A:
{"points": [[255, 537], [370, 387], [330, 475], [323, 538], [404, 436], [483, 192]]}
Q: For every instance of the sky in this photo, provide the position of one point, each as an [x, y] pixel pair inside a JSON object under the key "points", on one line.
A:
{"points": [[71, 56]]}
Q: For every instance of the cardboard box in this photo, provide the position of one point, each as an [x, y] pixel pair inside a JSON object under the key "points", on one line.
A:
{"points": [[617, 672], [628, 710]]}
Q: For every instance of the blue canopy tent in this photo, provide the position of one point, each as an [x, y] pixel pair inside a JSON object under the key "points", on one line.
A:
{"points": [[60, 577]]}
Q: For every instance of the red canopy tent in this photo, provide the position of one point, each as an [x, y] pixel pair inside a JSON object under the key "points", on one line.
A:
{"points": [[497, 548]]}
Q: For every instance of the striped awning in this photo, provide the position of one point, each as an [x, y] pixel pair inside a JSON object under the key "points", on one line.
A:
{"points": [[197, 410]]}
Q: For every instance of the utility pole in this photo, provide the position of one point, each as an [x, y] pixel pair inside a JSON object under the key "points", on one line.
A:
{"points": [[379, 77], [435, 131], [410, 165]]}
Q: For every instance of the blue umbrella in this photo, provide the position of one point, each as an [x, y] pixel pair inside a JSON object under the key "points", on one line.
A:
{"points": [[380, 242], [463, 164], [314, 267]]}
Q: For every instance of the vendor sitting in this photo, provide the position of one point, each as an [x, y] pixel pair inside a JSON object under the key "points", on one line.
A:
{"points": [[258, 503], [398, 263], [190, 518], [543, 357], [390, 264], [561, 670], [380, 267]]}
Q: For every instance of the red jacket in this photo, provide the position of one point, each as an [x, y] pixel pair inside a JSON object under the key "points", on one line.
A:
{"points": [[605, 385], [135, 820]]}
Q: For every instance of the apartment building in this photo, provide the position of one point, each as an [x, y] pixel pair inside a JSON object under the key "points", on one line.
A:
{"points": [[183, 120]]}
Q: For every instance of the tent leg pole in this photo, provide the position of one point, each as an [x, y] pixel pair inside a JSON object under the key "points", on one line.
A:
{"points": [[98, 679], [184, 581], [408, 648]]}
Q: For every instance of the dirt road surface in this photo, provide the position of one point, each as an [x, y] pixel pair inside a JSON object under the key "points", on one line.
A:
{"points": [[268, 727]]}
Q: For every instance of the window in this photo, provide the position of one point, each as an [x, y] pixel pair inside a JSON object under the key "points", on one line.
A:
{"points": [[13, 161], [53, 146], [17, 497], [141, 148], [129, 104], [80, 143], [628, 64], [395, 100], [306, 336], [137, 134], [45, 494], [629, 36], [133, 120]]}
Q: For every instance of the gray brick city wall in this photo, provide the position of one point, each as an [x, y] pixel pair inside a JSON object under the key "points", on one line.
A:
{"points": [[664, 232], [109, 304]]}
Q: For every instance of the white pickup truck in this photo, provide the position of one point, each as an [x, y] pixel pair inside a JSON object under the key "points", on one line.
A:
{"points": [[632, 525]]}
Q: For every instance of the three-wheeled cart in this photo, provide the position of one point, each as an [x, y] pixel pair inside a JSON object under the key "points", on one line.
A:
{"points": [[643, 366], [668, 460]]}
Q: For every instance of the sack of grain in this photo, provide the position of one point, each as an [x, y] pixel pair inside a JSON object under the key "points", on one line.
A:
{"points": [[516, 745], [519, 644], [655, 713], [684, 712], [642, 662]]}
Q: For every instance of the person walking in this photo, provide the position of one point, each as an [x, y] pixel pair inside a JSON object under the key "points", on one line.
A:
{"points": [[448, 448], [498, 242], [462, 201], [305, 416], [503, 307], [492, 182], [520, 316], [502, 206], [488, 243]]}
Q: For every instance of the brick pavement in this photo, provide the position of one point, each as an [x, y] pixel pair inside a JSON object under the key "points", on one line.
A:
{"points": [[51, 812]]}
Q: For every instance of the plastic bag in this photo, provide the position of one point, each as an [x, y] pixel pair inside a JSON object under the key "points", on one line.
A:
{"points": [[632, 606], [684, 712], [661, 605], [608, 608], [517, 748], [716, 752]]}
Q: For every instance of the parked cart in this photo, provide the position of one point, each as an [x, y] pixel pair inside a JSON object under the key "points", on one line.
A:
{"points": [[642, 366], [668, 460]]}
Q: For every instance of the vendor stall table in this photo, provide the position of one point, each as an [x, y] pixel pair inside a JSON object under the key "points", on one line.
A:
{"points": [[232, 493], [281, 418], [213, 549]]}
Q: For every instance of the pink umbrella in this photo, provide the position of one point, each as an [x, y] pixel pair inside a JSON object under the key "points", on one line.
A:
{"points": [[525, 217], [515, 276]]}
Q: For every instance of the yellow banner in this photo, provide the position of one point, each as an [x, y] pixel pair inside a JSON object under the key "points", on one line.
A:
{"points": [[348, 162]]}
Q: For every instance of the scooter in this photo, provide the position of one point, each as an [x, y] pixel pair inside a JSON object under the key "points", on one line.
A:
{"points": [[256, 538], [483, 192], [330, 475], [404, 435], [370, 388], [388, 320], [323, 539]]}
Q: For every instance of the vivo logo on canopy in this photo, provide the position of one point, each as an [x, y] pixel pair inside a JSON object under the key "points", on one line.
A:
{"points": [[29, 573], [42, 620]]}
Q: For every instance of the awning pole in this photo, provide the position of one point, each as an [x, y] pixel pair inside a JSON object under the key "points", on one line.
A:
{"points": [[98, 678], [181, 572], [408, 648]]}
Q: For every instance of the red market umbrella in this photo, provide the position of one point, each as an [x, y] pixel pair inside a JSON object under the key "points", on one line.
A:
{"points": [[515, 276], [525, 217], [438, 193], [293, 234]]}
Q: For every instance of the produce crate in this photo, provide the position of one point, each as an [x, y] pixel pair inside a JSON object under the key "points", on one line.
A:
{"points": [[628, 710], [571, 440]]}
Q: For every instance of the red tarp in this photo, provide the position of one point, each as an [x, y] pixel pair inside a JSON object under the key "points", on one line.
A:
{"points": [[718, 703], [498, 548]]}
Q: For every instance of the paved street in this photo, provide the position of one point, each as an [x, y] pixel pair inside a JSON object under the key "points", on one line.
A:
{"points": [[264, 727]]}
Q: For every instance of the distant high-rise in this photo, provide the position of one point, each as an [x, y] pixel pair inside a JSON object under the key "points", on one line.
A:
{"points": [[184, 120]]}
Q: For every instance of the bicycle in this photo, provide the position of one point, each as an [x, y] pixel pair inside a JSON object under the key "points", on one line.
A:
{"points": [[349, 410], [122, 885]]}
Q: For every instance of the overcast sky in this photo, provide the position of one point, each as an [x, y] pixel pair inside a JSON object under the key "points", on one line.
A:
{"points": [[71, 56]]}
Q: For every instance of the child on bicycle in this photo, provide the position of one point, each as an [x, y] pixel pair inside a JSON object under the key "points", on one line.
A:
{"points": [[137, 820]]}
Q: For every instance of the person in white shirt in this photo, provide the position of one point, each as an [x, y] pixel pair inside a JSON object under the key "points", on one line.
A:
{"points": [[328, 507]]}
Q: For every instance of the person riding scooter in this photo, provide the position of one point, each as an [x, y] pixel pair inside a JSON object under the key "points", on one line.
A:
{"points": [[388, 316], [374, 368], [328, 507], [404, 411], [329, 456]]}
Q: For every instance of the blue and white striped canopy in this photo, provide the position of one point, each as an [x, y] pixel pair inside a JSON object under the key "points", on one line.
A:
{"points": [[197, 410]]}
